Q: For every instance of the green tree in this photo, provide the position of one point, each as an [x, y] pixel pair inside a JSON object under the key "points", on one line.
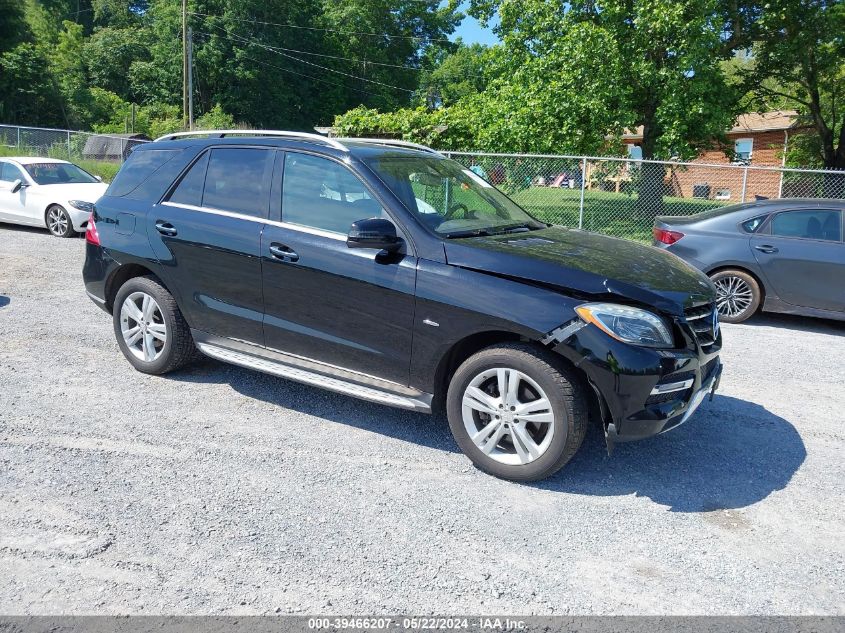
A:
{"points": [[109, 55], [455, 74], [67, 65], [658, 64], [27, 95], [799, 62]]}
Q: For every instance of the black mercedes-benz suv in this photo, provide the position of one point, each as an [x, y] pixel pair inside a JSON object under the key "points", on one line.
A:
{"points": [[385, 271]]}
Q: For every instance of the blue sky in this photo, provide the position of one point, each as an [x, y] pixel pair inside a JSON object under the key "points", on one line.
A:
{"points": [[471, 31]]}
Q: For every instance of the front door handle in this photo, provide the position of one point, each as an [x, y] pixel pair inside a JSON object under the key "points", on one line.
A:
{"points": [[766, 248], [165, 228], [283, 252]]}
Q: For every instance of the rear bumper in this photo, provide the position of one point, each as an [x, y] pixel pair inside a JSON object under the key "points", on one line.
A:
{"points": [[95, 271]]}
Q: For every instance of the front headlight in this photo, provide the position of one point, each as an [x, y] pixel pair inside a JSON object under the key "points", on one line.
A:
{"points": [[81, 205], [627, 324]]}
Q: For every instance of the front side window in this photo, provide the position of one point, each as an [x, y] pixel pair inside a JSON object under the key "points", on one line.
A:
{"points": [[450, 199], [812, 224], [58, 174], [322, 194], [10, 172], [237, 180]]}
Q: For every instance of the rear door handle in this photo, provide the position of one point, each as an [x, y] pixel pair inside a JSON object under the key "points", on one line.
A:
{"points": [[283, 252], [165, 228], [765, 248]]}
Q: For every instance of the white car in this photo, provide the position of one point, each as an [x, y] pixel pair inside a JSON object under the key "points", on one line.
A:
{"points": [[47, 192]]}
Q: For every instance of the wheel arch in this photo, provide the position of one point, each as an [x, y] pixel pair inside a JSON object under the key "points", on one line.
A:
{"points": [[473, 343], [121, 275], [743, 269]]}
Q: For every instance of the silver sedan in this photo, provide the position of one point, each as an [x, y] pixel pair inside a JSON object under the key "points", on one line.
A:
{"points": [[776, 255]]}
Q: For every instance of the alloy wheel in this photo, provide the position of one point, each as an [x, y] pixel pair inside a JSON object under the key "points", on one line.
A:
{"points": [[508, 416], [57, 221], [734, 296], [142, 326]]}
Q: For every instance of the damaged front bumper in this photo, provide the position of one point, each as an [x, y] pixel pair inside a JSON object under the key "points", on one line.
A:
{"points": [[641, 391]]}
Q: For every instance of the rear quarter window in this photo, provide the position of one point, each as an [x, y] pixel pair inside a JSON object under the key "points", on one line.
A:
{"points": [[138, 168], [751, 226]]}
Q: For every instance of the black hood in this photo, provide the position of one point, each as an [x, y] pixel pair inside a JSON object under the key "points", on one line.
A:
{"points": [[589, 264]]}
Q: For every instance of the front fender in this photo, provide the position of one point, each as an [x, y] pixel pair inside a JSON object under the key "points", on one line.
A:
{"points": [[455, 303]]}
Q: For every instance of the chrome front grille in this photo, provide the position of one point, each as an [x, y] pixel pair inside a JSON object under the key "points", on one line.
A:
{"points": [[704, 322]]}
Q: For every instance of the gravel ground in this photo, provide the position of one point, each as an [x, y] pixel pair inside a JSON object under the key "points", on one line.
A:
{"points": [[219, 490]]}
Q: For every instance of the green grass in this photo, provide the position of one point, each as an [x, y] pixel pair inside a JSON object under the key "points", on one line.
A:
{"points": [[103, 168], [605, 212]]}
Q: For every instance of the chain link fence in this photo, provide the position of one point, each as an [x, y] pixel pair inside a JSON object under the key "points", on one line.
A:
{"points": [[101, 154], [622, 197], [616, 196]]}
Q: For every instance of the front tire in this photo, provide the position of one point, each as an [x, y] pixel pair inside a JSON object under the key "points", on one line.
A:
{"points": [[58, 221], [149, 327], [516, 411], [738, 295]]}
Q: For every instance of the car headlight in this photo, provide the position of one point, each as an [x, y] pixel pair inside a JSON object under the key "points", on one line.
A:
{"points": [[627, 324], [81, 205]]}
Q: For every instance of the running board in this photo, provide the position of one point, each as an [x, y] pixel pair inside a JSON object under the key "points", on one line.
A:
{"points": [[298, 374]]}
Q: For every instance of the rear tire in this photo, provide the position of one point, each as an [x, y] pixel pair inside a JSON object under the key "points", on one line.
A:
{"points": [[149, 327], [535, 429], [738, 297]]}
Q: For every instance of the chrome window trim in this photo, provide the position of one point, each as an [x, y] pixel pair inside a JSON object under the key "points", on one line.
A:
{"points": [[251, 218]]}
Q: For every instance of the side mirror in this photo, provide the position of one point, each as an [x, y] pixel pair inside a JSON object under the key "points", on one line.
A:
{"points": [[376, 233], [17, 185]]}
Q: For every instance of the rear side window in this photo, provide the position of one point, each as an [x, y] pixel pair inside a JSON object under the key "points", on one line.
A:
{"points": [[816, 224], [138, 168], [750, 226], [238, 180], [189, 189]]}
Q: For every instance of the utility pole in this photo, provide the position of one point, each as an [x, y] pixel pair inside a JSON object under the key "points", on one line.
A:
{"points": [[184, 63], [190, 79]]}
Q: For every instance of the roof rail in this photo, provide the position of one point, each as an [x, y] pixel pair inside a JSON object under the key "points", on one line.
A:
{"points": [[395, 143], [305, 136]]}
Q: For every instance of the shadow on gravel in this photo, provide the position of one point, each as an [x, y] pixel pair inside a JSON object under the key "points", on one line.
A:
{"points": [[731, 454], [800, 323], [4, 301], [431, 431]]}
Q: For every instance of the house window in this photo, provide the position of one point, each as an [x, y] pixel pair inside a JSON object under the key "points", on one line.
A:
{"points": [[635, 152], [723, 194], [742, 149]]}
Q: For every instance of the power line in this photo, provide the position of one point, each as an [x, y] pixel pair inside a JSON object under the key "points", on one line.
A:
{"points": [[316, 28], [240, 39], [349, 59], [320, 79]]}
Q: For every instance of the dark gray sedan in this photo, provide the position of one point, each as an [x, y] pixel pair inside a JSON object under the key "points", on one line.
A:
{"points": [[783, 255]]}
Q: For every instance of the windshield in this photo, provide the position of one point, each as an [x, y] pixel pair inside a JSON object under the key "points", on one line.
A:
{"points": [[450, 199], [58, 173]]}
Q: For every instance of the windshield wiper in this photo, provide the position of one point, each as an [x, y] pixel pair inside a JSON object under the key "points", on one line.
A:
{"points": [[467, 233], [516, 228]]}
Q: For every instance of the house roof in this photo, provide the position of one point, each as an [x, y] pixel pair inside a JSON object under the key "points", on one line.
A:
{"points": [[745, 123]]}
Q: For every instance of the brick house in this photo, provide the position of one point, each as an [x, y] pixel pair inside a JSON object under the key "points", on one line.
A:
{"points": [[756, 140]]}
